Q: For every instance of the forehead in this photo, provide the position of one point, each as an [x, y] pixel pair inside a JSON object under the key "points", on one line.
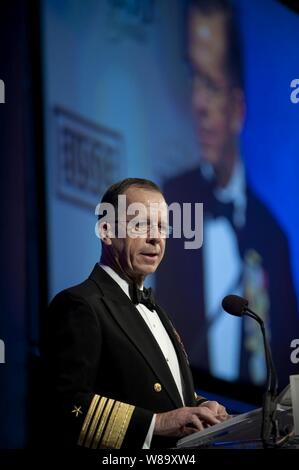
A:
{"points": [[147, 197], [207, 38]]}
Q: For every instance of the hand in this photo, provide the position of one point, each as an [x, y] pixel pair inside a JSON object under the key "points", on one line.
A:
{"points": [[218, 410], [184, 421]]}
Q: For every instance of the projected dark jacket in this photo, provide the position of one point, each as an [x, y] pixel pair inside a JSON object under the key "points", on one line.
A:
{"points": [[182, 273], [107, 373]]}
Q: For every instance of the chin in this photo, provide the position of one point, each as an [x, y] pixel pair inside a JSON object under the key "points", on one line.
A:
{"points": [[211, 156], [149, 270], [145, 270], [212, 159]]}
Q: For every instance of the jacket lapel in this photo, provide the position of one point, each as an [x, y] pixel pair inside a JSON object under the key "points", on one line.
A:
{"points": [[134, 327], [187, 380]]}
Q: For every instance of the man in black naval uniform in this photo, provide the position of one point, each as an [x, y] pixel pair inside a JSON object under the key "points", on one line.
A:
{"points": [[117, 371], [245, 250]]}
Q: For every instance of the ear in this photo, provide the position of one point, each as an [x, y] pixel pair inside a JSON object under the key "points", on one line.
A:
{"points": [[239, 110], [105, 232]]}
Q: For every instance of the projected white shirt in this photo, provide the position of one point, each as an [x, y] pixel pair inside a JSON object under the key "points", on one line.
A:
{"points": [[223, 269]]}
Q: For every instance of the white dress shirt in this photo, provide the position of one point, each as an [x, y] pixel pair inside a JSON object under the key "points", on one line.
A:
{"points": [[223, 268], [157, 329]]}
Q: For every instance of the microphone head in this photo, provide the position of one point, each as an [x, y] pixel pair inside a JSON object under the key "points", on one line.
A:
{"points": [[234, 305]]}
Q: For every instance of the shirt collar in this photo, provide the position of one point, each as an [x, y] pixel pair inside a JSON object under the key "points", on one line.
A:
{"points": [[234, 191], [117, 278]]}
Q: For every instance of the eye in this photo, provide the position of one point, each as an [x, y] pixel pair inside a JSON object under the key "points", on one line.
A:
{"points": [[142, 225]]}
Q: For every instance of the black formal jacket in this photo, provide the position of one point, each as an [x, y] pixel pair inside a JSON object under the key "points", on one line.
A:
{"points": [[106, 374]]}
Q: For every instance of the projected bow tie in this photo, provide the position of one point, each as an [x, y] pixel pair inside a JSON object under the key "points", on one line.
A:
{"points": [[221, 209], [144, 296]]}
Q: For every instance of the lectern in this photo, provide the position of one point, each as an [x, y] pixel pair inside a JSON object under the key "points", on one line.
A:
{"points": [[244, 430]]}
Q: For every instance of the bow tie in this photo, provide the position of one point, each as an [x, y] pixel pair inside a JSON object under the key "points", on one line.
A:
{"points": [[222, 209], [144, 296]]}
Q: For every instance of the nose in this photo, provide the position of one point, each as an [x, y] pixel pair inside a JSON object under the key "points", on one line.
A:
{"points": [[154, 235], [200, 99]]}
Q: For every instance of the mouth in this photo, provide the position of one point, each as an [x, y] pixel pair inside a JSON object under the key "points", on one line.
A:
{"points": [[206, 136], [151, 257]]}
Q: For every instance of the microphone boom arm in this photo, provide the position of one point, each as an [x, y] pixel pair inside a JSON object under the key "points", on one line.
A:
{"points": [[238, 306], [269, 428]]}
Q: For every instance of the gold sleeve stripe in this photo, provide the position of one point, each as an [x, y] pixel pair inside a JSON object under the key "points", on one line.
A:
{"points": [[95, 421], [118, 425], [105, 424], [104, 420], [128, 411], [111, 429], [87, 420]]}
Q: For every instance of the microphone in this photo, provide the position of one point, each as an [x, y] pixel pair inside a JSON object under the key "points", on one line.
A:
{"points": [[235, 305], [238, 306]]}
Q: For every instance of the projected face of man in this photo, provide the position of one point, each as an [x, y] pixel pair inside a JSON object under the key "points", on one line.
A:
{"points": [[217, 104]]}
